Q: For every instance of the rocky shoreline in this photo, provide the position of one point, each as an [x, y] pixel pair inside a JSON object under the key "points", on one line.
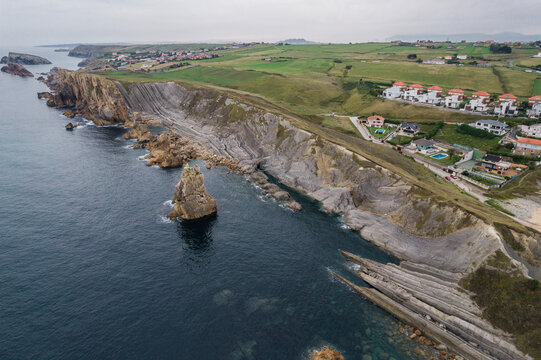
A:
{"points": [[443, 248], [16, 69]]}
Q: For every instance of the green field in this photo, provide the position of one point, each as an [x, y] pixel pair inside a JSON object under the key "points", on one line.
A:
{"points": [[537, 87], [315, 79], [449, 134]]}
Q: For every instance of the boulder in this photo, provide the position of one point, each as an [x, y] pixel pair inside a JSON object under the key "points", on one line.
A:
{"points": [[45, 95], [281, 195], [327, 353], [270, 188], [191, 198], [293, 205], [70, 126], [16, 69], [69, 113], [259, 177]]}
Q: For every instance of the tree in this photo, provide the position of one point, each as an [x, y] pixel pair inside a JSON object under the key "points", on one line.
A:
{"points": [[419, 60], [412, 56], [500, 49]]}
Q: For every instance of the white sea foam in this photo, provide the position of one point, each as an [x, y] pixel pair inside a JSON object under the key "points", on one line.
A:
{"points": [[164, 220], [168, 203], [128, 146]]}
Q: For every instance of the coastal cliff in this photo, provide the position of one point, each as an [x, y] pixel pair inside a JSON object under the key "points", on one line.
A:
{"points": [[431, 236], [94, 97]]}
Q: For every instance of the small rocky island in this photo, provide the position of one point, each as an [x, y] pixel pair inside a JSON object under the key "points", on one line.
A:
{"points": [[16, 69], [327, 353], [191, 198], [25, 59]]}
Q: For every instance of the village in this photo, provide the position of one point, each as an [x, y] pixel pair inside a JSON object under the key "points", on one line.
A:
{"points": [[156, 60], [456, 162]]}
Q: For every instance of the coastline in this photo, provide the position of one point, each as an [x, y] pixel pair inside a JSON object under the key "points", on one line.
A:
{"points": [[317, 168]]}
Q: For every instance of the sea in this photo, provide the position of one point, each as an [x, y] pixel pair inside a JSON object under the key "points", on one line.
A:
{"points": [[91, 268]]}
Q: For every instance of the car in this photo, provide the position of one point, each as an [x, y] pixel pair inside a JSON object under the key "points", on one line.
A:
{"points": [[447, 178]]}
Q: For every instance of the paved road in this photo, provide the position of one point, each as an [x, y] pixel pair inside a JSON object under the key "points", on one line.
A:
{"points": [[364, 132]]}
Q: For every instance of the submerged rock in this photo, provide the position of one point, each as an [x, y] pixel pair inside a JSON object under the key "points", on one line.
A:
{"points": [[191, 198], [327, 353], [16, 69]]}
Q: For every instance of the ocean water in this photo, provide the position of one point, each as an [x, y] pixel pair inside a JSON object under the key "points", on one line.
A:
{"points": [[90, 268]]}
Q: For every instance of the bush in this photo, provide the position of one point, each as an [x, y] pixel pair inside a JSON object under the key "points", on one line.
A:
{"points": [[500, 49], [412, 56], [468, 130]]}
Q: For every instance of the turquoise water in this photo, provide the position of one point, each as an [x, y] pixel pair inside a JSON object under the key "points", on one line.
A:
{"points": [[439, 156], [91, 269]]}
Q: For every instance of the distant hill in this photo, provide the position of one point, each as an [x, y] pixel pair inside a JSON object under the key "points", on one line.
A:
{"points": [[297, 42], [500, 37]]}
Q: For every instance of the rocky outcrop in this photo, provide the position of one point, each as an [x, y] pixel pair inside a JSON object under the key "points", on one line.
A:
{"points": [[273, 191], [16, 69], [71, 126], [432, 301], [69, 113], [45, 95], [327, 353], [94, 97], [25, 59], [191, 198]]}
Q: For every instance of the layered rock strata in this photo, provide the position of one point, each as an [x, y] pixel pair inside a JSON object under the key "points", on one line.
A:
{"points": [[16, 69]]}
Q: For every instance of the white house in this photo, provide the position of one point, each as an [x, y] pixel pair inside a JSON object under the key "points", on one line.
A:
{"points": [[395, 91], [454, 98], [413, 92], [507, 105], [462, 57], [532, 130], [479, 101], [493, 126], [435, 61], [538, 55], [375, 121], [432, 96], [535, 103]]}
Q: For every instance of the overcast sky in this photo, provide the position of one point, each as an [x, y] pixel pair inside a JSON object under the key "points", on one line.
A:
{"points": [[32, 22]]}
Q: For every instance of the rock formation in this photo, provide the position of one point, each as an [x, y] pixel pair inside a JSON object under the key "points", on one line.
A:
{"points": [[96, 98], [69, 113], [327, 353], [45, 95], [170, 151], [70, 126], [16, 69], [191, 198], [25, 59], [272, 190]]}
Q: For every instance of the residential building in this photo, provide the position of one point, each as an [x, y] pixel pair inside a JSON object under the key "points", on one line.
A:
{"points": [[538, 55], [507, 105], [535, 103], [493, 126], [408, 129], [493, 163], [462, 57], [435, 61], [479, 101], [532, 130], [423, 144], [432, 96], [528, 147], [454, 98], [448, 57], [413, 92], [375, 121], [395, 91]]}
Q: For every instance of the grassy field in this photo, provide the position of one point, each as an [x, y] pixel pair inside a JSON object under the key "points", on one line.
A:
{"points": [[521, 187], [315, 79], [536, 87], [450, 135]]}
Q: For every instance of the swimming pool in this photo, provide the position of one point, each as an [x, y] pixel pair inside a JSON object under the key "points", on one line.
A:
{"points": [[439, 156], [380, 131]]}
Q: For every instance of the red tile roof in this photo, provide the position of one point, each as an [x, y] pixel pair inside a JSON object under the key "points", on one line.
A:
{"points": [[435, 87], [481, 93], [376, 117], [508, 97], [535, 98], [529, 141], [416, 86], [400, 83], [456, 91]]}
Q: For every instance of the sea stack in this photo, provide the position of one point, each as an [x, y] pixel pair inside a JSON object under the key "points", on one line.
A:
{"points": [[191, 198], [25, 59]]}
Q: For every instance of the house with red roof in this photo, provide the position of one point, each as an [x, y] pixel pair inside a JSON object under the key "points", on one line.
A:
{"points": [[396, 91], [535, 103], [413, 92], [479, 101], [454, 98], [507, 105], [528, 147], [375, 121], [432, 95]]}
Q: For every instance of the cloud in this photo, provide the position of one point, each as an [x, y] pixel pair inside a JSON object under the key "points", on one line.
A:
{"points": [[57, 21]]}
